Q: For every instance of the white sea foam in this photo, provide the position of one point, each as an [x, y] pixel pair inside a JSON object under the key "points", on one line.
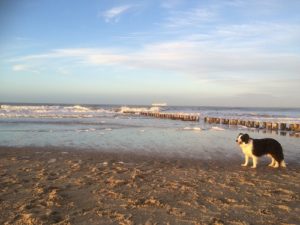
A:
{"points": [[217, 128], [77, 108], [138, 110], [192, 128], [51, 111], [287, 116]]}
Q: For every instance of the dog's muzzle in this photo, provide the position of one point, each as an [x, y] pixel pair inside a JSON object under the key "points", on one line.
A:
{"points": [[237, 141]]}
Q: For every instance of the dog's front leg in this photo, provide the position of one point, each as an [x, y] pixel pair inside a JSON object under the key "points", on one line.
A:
{"points": [[254, 160], [246, 161]]}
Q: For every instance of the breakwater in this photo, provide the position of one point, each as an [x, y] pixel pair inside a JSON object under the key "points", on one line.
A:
{"points": [[267, 125], [255, 124], [173, 116]]}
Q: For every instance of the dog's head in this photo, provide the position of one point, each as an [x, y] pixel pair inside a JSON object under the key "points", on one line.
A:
{"points": [[242, 138]]}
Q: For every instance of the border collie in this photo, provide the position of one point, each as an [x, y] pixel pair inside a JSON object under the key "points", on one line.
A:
{"points": [[254, 148]]}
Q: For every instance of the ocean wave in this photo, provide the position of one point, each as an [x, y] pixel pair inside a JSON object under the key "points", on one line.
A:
{"points": [[58, 111], [77, 108], [138, 110], [52, 111]]}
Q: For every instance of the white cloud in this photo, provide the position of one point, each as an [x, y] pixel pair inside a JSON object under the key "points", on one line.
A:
{"points": [[169, 4], [202, 60], [113, 14], [229, 55], [194, 17], [22, 67], [19, 67]]}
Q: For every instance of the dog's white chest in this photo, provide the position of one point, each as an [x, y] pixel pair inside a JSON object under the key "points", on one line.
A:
{"points": [[247, 148]]}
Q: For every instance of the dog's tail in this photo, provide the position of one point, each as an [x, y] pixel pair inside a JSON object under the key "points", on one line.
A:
{"points": [[282, 164]]}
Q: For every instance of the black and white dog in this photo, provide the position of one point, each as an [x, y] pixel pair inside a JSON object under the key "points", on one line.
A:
{"points": [[254, 148]]}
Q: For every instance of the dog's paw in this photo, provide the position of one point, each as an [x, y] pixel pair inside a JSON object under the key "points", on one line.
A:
{"points": [[253, 167], [243, 164]]}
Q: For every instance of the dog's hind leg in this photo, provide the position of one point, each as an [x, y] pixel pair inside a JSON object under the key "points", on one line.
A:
{"points": [[282, 164], [273, 161], [276, 165]]}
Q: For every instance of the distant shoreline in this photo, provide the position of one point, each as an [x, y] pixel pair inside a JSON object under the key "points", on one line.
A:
{"points": [[149, 104]]}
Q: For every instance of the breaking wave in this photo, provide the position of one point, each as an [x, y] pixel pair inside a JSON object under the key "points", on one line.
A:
{"points": [[51, 111]]}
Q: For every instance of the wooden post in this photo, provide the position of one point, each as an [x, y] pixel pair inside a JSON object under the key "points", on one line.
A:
{"points": [[263, 125], [282, 126], [275, 126], [256, 124], [247, 124], [269, 126], [295, 127]]}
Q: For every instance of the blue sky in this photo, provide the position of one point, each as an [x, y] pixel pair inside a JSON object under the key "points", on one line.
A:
{"points": [[228, 53]]}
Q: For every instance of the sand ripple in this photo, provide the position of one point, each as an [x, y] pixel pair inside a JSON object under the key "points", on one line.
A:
{"points": [[93, 188]]}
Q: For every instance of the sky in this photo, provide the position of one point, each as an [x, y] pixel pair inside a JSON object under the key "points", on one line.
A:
{"points": [[182, 52]]}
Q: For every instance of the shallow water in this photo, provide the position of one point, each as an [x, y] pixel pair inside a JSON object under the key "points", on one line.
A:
{"points": [[101, 127]]}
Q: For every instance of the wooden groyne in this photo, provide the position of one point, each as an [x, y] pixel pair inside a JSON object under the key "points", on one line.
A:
{"points": [[172, 116], [255, 124], [274, 126]]}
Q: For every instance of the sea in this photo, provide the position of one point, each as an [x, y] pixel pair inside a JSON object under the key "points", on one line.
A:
{"points": [[110, 128]]}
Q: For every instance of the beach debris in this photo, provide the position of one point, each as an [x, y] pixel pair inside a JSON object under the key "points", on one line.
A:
{"points": [[216, 221], [52, 160], [103, 164]]}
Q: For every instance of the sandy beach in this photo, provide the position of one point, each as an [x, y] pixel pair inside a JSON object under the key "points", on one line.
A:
{"points": [[60, 186]]}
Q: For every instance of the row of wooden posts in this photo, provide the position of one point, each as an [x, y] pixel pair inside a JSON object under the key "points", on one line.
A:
{"points": [[216, 120], [255, 124], [173, 116]]}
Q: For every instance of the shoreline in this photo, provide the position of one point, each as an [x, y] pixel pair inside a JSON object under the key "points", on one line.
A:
{"points": [[67, 186]]}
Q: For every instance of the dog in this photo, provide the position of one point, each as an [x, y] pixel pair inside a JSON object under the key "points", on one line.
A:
{"points": [[254, 148]]}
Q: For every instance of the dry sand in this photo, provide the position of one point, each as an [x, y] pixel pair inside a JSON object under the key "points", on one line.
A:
{"points": [[47, 186]]}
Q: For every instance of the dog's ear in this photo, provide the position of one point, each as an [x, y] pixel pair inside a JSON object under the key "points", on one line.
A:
{"points": [[245, 138]]}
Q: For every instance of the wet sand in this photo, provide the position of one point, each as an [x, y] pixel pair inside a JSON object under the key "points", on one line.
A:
{"points": [[63, 186]]}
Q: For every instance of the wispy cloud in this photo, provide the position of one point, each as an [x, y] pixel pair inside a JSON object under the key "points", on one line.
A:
{"points": [[193, 58], [193, 17], [23, 67], [19, 67], [169, 4], [238, 56], [114, 14]]}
